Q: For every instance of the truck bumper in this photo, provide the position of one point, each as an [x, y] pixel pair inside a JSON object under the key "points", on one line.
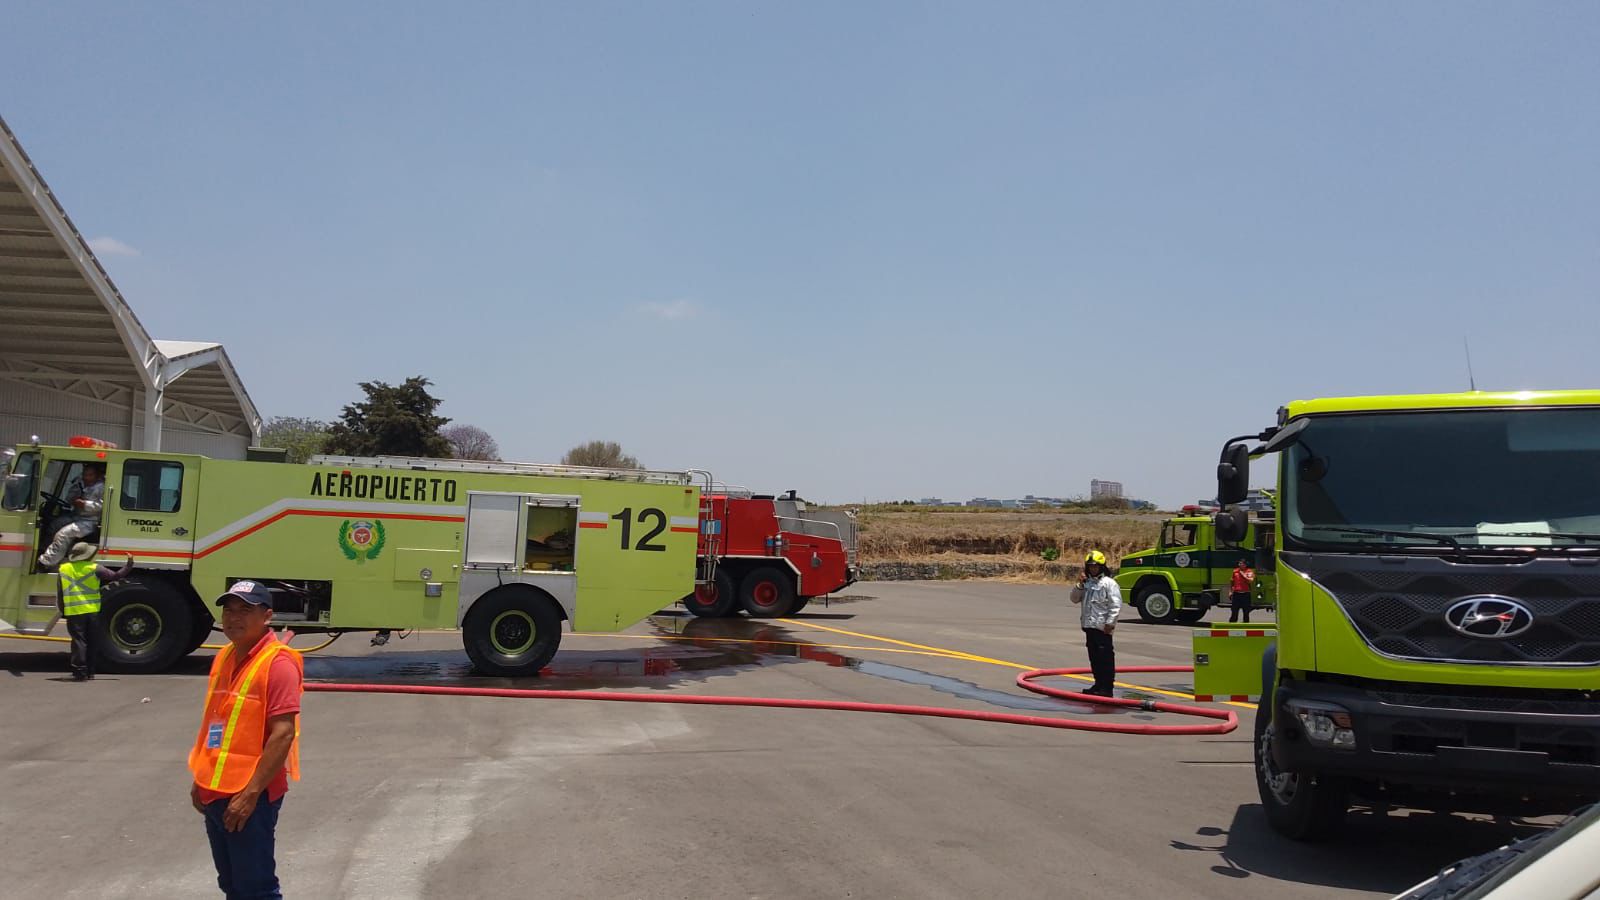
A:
{"points": [[1488, 745]]}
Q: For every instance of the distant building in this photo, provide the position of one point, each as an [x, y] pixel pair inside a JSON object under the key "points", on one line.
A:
{"points": [[930, 501], [984, 501], [1105, 490]]}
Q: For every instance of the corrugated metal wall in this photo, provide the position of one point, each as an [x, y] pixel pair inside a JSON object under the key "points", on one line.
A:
{"points": [[216, 446], [27, 410]]}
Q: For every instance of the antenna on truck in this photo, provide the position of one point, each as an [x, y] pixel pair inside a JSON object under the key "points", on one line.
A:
{"points": [[1471, 381]]}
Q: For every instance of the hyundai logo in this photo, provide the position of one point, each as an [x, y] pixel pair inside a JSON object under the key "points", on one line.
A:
{"points": [[1489, 617]]}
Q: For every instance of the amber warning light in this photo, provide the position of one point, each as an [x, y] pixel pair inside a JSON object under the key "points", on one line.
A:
{"points": [[88, 443]]}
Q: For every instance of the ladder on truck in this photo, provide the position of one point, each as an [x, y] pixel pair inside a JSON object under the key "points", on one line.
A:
{"points": [[710, 531], [423, 464]]}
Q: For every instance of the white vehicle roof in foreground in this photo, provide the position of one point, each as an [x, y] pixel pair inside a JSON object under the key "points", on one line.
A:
{"points": [[1558, 864]]}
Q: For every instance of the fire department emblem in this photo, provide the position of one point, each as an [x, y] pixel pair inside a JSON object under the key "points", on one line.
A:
{"points": [[361, 540]]}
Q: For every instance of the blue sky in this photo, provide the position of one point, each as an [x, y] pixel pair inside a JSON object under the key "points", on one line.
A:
{"points": [[869, 251]]}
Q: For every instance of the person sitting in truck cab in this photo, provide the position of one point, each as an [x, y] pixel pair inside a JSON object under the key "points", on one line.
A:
{"points": [[84, 500]]}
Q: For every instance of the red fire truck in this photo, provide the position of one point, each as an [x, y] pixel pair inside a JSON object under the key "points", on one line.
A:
{"points": [[769, 555]]}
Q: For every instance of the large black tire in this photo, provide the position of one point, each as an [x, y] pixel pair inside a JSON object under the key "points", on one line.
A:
{"points": [[1155, 604], [146, 624], [799, 604], [1299, 806], [767, 592], [201, 629], [512, 631], [714, 600]]}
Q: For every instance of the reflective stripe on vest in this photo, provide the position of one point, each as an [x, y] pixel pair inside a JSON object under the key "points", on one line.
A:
{"points": [[80, 587], [236, 704]]}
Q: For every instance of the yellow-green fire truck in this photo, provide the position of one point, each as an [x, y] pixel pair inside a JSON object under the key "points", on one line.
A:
{"points": [[1189, 571], [504, 551], [1438, 579]]}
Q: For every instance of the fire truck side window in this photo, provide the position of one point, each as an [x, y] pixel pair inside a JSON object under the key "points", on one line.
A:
{"points": [[19, 483], [152, 485], [1178, 536]]}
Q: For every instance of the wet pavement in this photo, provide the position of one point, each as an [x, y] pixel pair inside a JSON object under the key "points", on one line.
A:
{"points": [[692, 650], [409, 796]]}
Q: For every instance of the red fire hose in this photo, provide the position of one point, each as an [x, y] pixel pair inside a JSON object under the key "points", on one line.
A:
{"points": [[1229, 721]]}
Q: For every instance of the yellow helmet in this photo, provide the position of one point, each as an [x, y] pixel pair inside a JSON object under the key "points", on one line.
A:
{"points": [[1096, 557]]}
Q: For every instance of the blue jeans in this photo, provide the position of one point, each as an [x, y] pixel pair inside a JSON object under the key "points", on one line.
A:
{"points": [[246, 869]]}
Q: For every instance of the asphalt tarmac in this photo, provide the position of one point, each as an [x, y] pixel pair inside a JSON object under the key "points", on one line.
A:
{"points": [[406, 796]]}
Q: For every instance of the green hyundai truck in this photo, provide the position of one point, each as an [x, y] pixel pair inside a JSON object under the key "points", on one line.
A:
{"points": [[1437, 560]]}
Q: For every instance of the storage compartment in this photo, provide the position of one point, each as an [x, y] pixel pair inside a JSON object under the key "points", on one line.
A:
{"points": [[551, 537]]}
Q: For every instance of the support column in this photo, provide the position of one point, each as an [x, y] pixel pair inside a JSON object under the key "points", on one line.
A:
{"points": [[152, 419]]}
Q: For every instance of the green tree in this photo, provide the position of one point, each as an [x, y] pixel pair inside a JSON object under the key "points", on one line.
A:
{"points": [[303, 438], [603, 454], [394, 420]]}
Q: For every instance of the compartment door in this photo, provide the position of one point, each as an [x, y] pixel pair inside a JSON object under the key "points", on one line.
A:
{"points": [[494, 531]]}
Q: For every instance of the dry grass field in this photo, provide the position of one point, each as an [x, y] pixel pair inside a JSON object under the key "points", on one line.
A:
{"points": [[995, 543]]}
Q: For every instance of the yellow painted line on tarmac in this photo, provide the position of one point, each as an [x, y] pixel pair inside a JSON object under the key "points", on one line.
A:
{"points": [[959, 654]]}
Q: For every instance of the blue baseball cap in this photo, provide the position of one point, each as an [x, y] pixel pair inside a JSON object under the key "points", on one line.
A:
{"points": [[250, 592]]}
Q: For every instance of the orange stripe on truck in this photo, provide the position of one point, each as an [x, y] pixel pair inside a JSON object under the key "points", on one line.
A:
{"points": [[323, 513]]}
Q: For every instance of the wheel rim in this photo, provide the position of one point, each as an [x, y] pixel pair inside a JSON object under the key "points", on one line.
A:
{"points": [[135, 627], [765, 595], [706, 595], [1157, 605], [512, 632], [1281, 785]]}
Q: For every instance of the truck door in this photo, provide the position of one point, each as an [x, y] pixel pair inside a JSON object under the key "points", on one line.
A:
{"points": [[17, 535], [60, 475], [148, 515], [1180, 544]]}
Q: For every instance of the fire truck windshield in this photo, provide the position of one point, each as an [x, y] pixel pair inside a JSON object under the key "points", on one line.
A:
{"points": [[1434, 481]]}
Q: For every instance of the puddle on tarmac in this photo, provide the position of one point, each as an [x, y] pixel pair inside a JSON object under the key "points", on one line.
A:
{"points": [[712, 647]]}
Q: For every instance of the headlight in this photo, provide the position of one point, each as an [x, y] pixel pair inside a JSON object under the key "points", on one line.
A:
{"points": [[1324, 723]]}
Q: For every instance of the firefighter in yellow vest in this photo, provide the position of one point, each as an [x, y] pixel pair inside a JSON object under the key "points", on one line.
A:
{"points": [[78, 597], [248, 745]]}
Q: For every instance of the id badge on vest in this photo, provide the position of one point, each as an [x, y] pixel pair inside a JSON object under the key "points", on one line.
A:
{"points": [[214, 736]]}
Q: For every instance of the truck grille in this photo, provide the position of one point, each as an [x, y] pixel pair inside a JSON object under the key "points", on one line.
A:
{"points": [[1398, 605]]}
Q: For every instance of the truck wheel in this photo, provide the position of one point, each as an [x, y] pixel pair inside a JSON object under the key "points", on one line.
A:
{"points": [[512, 632], [145, 626], [201, 630], [1154, 603], [1299, 806], [1190, 616], [714, 600], [767, 593], [799, 604]]}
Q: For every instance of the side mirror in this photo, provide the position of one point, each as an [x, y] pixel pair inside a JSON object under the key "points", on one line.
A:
{"points": [[1233, 474], [1231, 525]]}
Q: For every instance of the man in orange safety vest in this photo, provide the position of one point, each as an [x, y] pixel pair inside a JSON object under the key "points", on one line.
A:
{"points": [[248, 743]]}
